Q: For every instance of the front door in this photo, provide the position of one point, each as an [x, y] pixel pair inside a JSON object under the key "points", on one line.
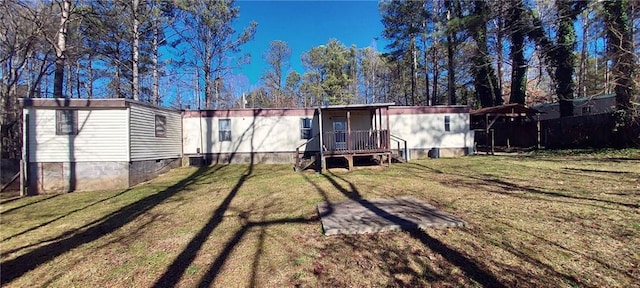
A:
{"points": [[340, 132]]}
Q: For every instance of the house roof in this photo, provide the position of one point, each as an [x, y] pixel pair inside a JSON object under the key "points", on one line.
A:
{"points": [[48, 103], [576, 100], [514, 109], [356, 106]]}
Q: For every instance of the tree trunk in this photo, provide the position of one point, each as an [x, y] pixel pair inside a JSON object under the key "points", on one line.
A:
{"points": [[427, 99], [69, 79], [451, 80], [484, 76], [135, 81], [414, 70], [499, 49], [620, 48], [78, 81], [154, 61], [583, 56], [519, 65], [89, 85], [436, 75], [565, 58], [116, 83], [208, 87], [61, 49]]}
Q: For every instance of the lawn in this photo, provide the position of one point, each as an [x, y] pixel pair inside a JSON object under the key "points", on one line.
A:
{"points": [[541, 219]]}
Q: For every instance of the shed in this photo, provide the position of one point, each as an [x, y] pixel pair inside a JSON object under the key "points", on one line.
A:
{"points": [[95, 144]]}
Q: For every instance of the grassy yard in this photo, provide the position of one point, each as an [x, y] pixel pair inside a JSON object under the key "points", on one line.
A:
{"points": [[546, 219]]}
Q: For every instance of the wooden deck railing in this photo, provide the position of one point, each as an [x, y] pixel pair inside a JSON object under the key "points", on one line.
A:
{"points": [[359, 141]]}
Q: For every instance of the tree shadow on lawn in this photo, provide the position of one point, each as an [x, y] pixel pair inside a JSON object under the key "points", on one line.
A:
{"points": [[175, 271], [494, 185], [508, 186], [604, 264], [26, 204], [179, 266], [598, 171], [505, 187], [470, 267], [58, 218], [14, 268]]}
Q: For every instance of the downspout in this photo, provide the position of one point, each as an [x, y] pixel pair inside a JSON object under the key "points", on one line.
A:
{"points": [[322, 164]]}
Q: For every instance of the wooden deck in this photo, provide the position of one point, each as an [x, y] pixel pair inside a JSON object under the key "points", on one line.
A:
{"points": [[349, 144], [356, 142]]}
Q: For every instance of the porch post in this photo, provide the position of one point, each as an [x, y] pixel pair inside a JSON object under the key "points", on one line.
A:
{"points": [[486, 130], [321, 144], [349, 130], [379, 112], [388, 144], [538, 130]]}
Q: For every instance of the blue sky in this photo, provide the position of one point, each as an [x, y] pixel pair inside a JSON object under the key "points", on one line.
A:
{"points": [[306, 24]]}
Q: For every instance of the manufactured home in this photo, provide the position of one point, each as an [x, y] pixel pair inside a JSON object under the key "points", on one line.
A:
{"points": [[595, 105], [74, 144], [341, 131], [83, 144]]}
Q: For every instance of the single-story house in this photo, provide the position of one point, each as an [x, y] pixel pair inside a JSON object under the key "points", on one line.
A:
{"points": [[89, 144], [581, 107], [85, 144], [284, 135]]}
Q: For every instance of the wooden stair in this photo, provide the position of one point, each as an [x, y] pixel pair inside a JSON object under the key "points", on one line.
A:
{"points": [[304, 163], [397, 158]]}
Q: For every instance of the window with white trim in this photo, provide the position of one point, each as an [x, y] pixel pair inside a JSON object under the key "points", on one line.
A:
{"points": [[161, 126], [447, 123], [305, 128], [66, 122], [224, 130]]}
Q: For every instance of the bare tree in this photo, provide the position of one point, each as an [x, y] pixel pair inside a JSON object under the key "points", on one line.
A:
{"points": [[208, 32], [277, 57], [61, 47]]}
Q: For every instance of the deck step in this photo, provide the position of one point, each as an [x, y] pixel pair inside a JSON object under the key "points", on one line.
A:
{"points": [[397, 158], [305, 163]]}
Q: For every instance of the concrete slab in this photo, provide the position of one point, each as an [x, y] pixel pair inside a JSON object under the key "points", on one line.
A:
{"points": [[380, 215]]}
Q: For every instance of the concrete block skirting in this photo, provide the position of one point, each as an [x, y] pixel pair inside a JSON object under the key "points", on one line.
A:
{"points": [[242, 158], [423, 153], [56, 177], [140, 171]]}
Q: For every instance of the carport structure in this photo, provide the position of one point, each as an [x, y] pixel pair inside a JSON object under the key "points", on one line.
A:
{"points": [[511, 116]]}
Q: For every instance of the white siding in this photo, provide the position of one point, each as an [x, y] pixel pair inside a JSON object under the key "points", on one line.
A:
{"points": [[426, 131], [144, 143], [102, 136], [248, 134], [360, 120]]}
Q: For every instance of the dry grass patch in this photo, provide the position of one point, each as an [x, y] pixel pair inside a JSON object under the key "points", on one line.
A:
{"points": [[543, 219]]}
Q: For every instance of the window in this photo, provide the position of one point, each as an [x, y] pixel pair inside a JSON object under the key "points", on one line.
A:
{"points": [[66, 122], [161, 126], [447, 123], [224, 127], [305, 128]]}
